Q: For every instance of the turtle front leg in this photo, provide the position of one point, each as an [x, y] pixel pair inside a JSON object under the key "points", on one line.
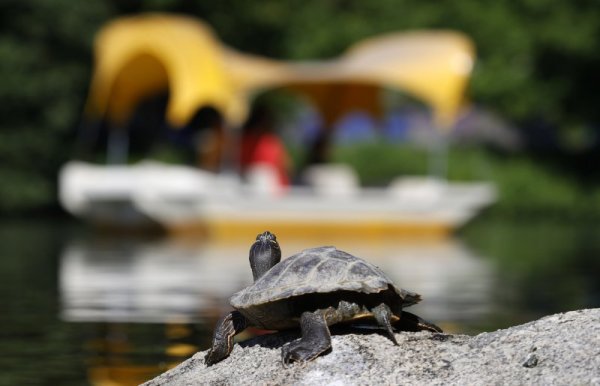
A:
{"points": [[230, 325], [315, 340]]}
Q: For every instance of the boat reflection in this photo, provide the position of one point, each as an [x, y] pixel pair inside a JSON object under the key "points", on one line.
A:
{"points": [[180, 281], [122, 354]]}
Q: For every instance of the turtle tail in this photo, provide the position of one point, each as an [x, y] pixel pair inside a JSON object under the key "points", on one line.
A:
{"points": [[411, 322]]}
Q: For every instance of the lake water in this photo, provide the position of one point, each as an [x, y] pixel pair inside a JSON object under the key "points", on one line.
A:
{"points": [[77, 308]]}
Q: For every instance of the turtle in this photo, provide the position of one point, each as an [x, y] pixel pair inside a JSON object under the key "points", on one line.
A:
{"points": [[312, 290]]}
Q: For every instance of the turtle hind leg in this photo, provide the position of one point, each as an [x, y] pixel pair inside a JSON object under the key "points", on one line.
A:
{"points": [[383, 315], [411, 322], [315, 340], [230, 325]]}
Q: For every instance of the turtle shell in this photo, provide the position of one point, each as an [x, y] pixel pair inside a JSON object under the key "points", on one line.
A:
{"points": [[318, 270]]}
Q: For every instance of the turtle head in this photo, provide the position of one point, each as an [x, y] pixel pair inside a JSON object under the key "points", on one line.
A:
{"points": [[264, 254]]}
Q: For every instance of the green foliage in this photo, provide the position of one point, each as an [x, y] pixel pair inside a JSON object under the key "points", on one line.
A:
{"points": [[537, 58], [385, 161], [45, 49]]}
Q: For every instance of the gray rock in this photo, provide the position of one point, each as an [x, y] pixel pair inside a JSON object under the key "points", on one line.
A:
{"points": [[561, 349]]}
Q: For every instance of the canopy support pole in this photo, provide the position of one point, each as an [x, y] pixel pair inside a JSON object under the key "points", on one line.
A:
{"points": [[117, 146], [438, 156]]}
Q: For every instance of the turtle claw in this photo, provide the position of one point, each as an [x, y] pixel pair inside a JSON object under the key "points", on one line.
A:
{"points": [[289, 353], [210, 358], [315, 340], [297, 351]]}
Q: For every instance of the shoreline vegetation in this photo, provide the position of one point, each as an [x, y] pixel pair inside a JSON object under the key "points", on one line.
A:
{"points": [[528, 186]]}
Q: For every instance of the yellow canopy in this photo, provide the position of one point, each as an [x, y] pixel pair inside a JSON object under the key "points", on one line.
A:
{"points": [[140, 56]]}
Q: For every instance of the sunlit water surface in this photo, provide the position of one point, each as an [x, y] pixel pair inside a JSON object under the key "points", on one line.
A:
{"points": [[78, 308]]}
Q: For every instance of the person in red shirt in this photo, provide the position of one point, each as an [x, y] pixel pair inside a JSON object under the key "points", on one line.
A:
{"points": [[261, 146]]}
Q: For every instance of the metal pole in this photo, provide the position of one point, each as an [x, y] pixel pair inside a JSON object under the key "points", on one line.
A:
{"points": [[118, 146], [438, 156]]}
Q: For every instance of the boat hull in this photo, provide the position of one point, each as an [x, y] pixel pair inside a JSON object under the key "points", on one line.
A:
{"points": [[187, 201]]}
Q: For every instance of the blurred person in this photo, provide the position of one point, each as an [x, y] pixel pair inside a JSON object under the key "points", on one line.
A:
{"points": [[210, 140], [262, 149], [200, 142]]}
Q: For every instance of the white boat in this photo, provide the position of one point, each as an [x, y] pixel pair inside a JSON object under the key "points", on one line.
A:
{"points": [[184, 199]]}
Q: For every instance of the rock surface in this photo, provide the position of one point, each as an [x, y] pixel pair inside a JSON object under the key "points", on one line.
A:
{"points": [[561, 349]]}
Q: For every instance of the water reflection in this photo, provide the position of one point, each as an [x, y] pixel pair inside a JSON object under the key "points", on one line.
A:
{"points": [[166, 281], [119, 311], [151, 303]]}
